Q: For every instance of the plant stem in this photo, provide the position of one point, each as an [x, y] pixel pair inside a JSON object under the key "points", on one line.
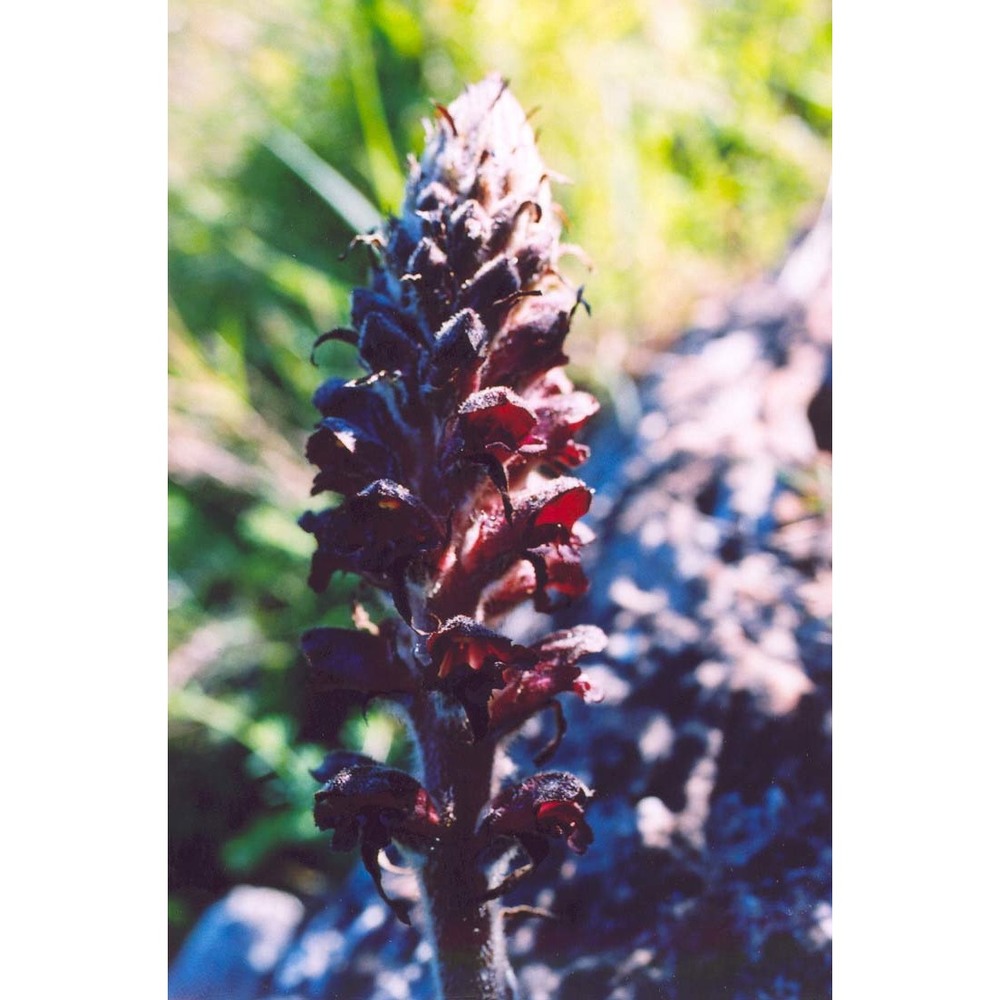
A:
{"points": [[467, 934]]}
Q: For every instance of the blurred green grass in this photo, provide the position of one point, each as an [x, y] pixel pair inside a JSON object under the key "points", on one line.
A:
{"points": [[697, 137]]}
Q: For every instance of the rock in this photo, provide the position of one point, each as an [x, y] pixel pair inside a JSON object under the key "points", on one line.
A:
{"points": [[236, 946]]}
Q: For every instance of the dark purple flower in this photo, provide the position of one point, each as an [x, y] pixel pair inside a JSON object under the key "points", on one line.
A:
{"points": [[470, 661], [349, 457], [554, 672], [496, 421], [533, 342], [547, 806], [374, 804], [379, 532]]}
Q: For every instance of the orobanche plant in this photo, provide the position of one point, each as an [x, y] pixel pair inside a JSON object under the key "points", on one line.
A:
{"points": [[451, 456]]}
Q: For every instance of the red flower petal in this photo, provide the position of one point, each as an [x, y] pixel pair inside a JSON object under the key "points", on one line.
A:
{"points": [[471, 662], [541, 530], [550, 803], [463, 640], [497, 415], [555, 672], [558, 504], [556, 819], [565, 647]]}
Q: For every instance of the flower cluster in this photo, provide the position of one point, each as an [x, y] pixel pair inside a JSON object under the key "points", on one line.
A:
{"points": [[452, 457]]}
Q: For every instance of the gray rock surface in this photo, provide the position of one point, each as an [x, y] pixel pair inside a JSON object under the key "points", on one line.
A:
{"points": [[710, 875]]}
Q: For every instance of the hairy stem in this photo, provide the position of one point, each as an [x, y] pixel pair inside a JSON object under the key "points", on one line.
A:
{"points": [[467, 933]]}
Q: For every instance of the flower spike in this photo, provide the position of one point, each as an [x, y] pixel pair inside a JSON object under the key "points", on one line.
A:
{"points": [[449, 457]]}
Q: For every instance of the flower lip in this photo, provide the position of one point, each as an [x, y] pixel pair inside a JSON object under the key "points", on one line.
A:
{"points": [[379, 532], [560, 415], [546, 806], [495, 416], [471, 661], [564, 508], [464, 640], [550, 574], [548, 514], [542, 527], [518, 804], [558, 818], [555, 672], [398, 513]]}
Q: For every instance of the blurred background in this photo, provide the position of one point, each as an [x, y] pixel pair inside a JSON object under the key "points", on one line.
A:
{"points": [[695, 135]]}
